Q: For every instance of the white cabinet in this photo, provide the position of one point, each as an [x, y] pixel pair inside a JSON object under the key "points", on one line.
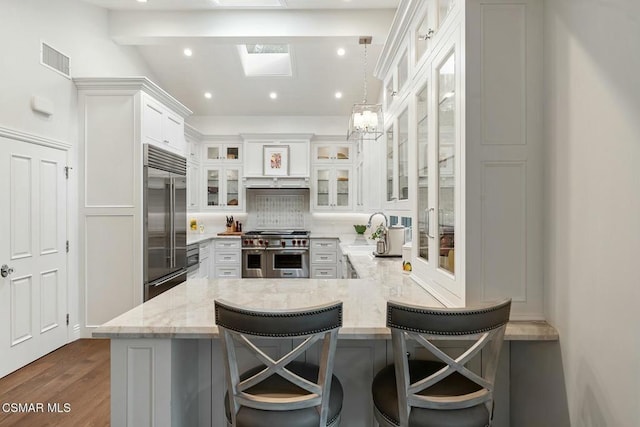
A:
{"points": [[468, 130], [193, 186], [227, 259], [230, 153], [397, 162], [194, 147], [332, 188], [221, 176], [324, 258], [205, 254], [115, 119], [298, 155], [335, 153], [162, 127], [222, 189]]}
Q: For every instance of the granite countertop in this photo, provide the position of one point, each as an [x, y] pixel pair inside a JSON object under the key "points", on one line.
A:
{"points": [[187, 310], [195, 237]]}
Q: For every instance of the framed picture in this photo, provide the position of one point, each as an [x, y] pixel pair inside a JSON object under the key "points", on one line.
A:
{"points": [[276, 160]]}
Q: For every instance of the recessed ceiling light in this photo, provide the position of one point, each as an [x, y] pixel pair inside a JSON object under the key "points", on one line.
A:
{"points": [[208, 95], [188, 52], [141, 1], [273, 95], [338, 95], [341, 52]]}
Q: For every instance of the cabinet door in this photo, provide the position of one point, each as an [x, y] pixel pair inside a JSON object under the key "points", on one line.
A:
{"points": [[402, 189], [232, 187], [213, 182], [446, 147], [152, 113], [323, 188], [173, 132], [342, 184], [333, 153], [425, 204], [193, 186], [229, 153], [390, 161]]}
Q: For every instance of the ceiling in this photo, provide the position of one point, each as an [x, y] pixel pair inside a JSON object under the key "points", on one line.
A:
{"points": [[313, 29]]}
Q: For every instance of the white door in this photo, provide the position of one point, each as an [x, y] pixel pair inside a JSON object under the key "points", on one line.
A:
{"points": [[33, 216]]}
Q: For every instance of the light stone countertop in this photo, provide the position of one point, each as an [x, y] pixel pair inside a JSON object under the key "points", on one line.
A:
{"points": [[187, 310], [195, 237]]}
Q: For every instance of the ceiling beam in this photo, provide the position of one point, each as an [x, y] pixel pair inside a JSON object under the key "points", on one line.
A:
{"points": [[145, 28]]}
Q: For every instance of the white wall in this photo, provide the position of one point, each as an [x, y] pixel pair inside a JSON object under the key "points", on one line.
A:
{"points": [[234, 125], [592, 211], [80, 31], [73, 27]]}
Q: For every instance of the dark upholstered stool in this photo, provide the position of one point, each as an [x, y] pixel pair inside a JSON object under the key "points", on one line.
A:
{"points": [[281, 392], [443, 393]]}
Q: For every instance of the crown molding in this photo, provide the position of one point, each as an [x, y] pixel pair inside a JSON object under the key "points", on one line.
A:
{"points": [[133, 83]]}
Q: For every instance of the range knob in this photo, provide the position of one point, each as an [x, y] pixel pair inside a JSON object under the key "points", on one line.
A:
{"points": [[260, 241], [304, 242], [266, 243], [246, 242], [283, 243]]}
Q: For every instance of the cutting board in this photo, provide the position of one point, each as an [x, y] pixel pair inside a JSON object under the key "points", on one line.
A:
{"points": [[230, 233]]}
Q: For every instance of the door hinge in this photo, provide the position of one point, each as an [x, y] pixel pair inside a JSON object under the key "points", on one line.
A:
{"points": [[66, 171], [67, 319], [67, 246]]}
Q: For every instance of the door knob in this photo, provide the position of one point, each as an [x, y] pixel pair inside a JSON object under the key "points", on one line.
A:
{"points": [[5, 270]]}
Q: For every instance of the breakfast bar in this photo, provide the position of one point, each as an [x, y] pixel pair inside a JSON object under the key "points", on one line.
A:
{"points": [[166, 363]]}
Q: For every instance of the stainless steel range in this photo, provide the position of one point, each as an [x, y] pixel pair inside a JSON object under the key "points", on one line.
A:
{"points": [[275, 254]]}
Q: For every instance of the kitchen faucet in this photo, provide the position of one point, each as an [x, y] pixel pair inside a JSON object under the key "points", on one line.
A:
{"points": [[386, 220]]}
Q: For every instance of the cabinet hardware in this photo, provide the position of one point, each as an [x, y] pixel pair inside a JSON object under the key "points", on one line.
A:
{"points": [[428, 231]]}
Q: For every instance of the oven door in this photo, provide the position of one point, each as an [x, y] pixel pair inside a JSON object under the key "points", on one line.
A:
{"points": [[287, 263], [254, 263]]}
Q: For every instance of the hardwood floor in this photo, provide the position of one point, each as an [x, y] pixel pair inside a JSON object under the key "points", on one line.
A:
{"points": [[76, 374]]}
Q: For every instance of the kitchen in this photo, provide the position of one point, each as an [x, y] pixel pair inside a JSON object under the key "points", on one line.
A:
{"points": [[86, 33]]}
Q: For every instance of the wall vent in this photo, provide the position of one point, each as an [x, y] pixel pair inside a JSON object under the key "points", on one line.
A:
{"points": [[54, 59]]}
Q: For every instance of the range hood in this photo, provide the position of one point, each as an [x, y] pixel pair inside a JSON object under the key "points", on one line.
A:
{"points": [[276, 182]]}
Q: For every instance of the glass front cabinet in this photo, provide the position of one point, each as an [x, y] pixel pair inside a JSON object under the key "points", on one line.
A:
{"points": [[333, 153], [332, 188], [222, 188], [463, 148], [227, 152]]}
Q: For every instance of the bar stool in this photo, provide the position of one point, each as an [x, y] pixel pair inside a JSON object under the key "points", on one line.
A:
{"points": [[419, 393], [281, 392]]}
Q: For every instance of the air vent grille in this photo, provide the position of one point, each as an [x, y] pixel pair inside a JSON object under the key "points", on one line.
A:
{"points": [[55, 59]]}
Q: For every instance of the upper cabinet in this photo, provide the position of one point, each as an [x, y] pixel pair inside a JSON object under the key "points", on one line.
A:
{"points": [[222, 188], [161, 126], [221, 166], [332, 152], [464, 146], [227, 152]]}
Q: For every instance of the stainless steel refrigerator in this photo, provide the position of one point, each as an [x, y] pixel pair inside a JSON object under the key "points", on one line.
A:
{"points": [[165, 220]]}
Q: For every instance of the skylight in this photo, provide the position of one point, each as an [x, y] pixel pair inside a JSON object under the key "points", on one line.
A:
{"points": [[248, 3], [271, 60]]}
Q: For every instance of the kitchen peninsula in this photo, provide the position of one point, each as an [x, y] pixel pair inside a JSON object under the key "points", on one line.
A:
{"points": [[166, 366]]}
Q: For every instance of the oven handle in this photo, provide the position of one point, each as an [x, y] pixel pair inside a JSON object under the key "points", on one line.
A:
{"points": [[290, 251]]}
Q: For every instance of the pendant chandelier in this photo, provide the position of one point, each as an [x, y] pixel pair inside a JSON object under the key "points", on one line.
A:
{"points": [[366, 119]]}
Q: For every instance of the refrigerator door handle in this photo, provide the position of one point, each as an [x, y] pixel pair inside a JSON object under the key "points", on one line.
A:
{"points": [[172, 219]]}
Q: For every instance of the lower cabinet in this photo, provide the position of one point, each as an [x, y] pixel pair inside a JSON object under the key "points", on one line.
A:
{"points": [[205, 254], [227, 258], [324, 258]]}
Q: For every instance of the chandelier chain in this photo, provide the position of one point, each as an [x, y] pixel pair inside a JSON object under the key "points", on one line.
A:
{"points": [[365, 74]]}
